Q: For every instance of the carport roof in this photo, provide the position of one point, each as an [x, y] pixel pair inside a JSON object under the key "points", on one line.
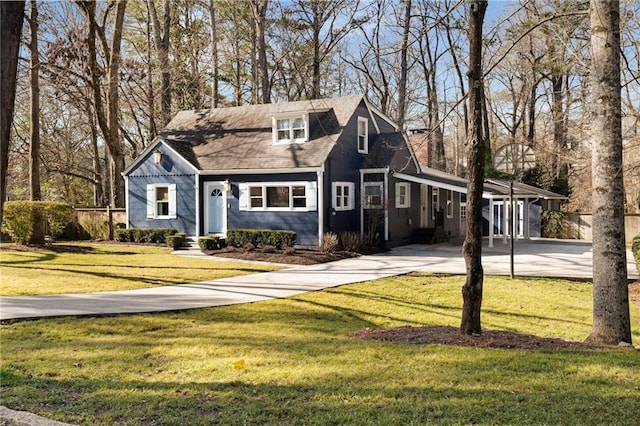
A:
{"points": [[493, 188]]}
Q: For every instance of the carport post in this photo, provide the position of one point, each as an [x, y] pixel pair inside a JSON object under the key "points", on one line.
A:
{"points": [[491, 219], [512, 228]]}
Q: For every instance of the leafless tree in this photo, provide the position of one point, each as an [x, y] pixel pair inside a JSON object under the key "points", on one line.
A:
{"points": [[472, 247], [11, 19], [611, 320]]}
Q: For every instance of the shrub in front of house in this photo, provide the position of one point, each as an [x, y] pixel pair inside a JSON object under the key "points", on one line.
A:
{"points": [[144, 235], [635, 248], [357, 242], [94, 225], [261, 237], [212, 242], [21, 218], [553, 224], [330, 242], [176, 240]]}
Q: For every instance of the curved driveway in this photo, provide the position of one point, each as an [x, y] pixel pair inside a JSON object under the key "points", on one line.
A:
{"points": [[550, 258]]}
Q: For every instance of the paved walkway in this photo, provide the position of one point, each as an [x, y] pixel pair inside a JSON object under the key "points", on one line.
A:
{"points": [[534, 258]]}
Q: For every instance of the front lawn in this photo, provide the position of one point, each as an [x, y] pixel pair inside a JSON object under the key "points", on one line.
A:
{"points": [[293, 362], [85, 267]]}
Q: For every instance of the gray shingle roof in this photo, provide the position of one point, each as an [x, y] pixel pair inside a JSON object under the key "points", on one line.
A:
{"points": [[241, 137]]}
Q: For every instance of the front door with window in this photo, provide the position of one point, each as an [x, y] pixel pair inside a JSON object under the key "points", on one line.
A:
{"points": [[215, 208]]}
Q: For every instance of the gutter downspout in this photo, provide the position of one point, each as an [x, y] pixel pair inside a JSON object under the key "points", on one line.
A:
{"points": [[197, 191], [126, 199], [320, 198]]}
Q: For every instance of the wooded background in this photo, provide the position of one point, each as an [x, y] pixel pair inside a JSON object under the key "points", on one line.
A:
{"points": [[97, 80]]}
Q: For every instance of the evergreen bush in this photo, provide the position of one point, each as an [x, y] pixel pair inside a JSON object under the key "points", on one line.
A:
{"points": [[176, 241], [635, 248], [144, 235], [212, 242], [20, 219], [261, 237]]}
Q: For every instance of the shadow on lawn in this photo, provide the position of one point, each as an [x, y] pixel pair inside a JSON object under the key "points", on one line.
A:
{"points": [[541, 388], [134, 278]]}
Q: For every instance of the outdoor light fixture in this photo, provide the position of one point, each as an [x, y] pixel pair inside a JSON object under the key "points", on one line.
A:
{"points": [[227, 185], [157, 156]]}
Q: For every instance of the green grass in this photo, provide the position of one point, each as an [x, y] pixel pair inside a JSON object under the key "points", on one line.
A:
{"points": [[302, 368], [106, 267]]}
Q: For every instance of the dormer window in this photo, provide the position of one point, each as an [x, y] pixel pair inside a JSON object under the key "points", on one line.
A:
{"points": [[291, 129]]}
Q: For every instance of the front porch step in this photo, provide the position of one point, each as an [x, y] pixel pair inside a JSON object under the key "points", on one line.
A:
{"points": [[191, 243]]}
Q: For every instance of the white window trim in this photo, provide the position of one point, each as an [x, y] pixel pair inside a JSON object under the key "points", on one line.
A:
{"points": [[364, 150], [350, 199], [291, 118], [407, 195], [365, 204], [311, 196], [435, 201], [449, 204], [152, 212]]}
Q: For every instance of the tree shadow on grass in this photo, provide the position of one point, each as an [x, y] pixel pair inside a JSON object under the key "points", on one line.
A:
{"points": [[344, 397]]}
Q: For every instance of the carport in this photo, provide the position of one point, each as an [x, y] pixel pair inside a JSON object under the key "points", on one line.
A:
{"points": [[510, 193], [497, 192]]}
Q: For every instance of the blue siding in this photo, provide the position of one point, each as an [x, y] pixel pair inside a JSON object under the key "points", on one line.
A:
{"points": [[343, 165], [305, 224], [172, 170]]}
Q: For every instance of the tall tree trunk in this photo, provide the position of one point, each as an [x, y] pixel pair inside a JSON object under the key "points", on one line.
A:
{"points": [[151, 105], [531, 129], [98, 188], [115, 142], [215, 92], [34, 76], [108, 121], [37, 236], [316, 27], [559, 130], [472, 247], [611, 321], [402, 83], [162, 42], [11, 19], [259, 11]]}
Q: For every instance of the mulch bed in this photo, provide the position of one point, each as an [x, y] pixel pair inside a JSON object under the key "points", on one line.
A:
{"points": [[442, 335], [299, 257]]}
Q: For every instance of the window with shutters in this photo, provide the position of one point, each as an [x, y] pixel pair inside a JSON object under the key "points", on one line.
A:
{"points": [[161, 201]]}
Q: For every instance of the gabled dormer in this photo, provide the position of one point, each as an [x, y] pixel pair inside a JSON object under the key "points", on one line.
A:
{"points": [[290, 128]]}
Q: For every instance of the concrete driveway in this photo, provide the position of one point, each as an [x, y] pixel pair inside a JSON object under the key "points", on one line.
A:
{"points": [[549, 258], [535, 258]]}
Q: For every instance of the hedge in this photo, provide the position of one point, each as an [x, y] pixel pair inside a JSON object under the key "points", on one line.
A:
{"points": [[635, 248], [261, 237], [144, 235], [176, 240], [21, 217], [212, 242]]}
